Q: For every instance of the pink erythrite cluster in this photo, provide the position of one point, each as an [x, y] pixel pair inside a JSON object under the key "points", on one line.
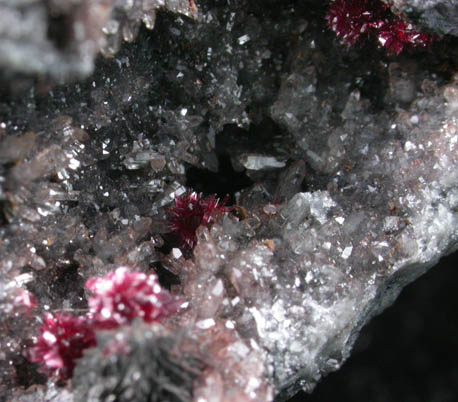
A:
{"points": [[25, 299], [117, 299], [63, 338], [190, 211], [352, 19], [122, 295]]}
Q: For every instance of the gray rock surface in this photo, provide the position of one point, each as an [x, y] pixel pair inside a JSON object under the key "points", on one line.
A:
{"points": [[61, 39], [437, 16], [53, 38]]}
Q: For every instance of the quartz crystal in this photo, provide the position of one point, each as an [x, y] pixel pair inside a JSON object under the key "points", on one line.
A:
{"points": [[339, 166]]}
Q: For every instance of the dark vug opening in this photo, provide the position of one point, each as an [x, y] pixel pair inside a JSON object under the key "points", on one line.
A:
{"points": [[59, 29], [231, 142], [225, 182]]}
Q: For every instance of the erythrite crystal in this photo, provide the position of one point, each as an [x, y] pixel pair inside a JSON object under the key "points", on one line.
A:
{"points": [[352, 19], [25, 299], [122, 295], [62, 340], [189, 212]]}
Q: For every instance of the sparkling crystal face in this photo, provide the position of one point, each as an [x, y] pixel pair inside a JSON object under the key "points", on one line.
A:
{"points": [[352, 20]]}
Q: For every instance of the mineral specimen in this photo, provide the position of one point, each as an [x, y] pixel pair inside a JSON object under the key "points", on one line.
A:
{"points": [[62, 340], [190, 211], [59, 38], [352, 19], [138, 363], [438, 16], [121, 296], [62, 38], [116, 300], [341, 165]]}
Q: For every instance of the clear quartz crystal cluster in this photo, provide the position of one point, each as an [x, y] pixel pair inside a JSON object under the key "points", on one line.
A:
{"points": [[127, 16], [341, 166]]}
